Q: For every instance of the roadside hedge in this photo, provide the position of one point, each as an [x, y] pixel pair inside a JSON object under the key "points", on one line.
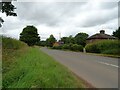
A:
{"points": [[104, 47], [93, 48], [73, 47]]}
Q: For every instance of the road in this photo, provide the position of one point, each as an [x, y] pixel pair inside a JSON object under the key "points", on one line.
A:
{"points": [[99, 71]]}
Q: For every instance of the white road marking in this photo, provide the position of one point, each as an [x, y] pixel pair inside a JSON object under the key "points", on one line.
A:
{"points": [[109, 64]]}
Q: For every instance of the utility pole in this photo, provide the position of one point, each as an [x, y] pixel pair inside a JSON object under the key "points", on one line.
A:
{"points": [[59, 36]]}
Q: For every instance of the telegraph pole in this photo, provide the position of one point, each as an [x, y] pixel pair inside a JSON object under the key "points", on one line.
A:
{"points": [[59, 36]]}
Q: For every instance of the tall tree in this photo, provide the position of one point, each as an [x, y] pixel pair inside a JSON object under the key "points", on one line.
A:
{"points": [[117, 33], [30, 36], [50, 41], [68, 40], [71, 39], [80, 38], [64, 39], [7, 8]]}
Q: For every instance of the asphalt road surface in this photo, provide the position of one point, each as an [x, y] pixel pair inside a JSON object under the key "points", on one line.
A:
{"points": [[101, 72]]}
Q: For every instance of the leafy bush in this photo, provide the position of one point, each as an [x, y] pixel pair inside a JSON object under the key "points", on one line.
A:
{"points": [[92, 48], [108, 45], [65, 46], [112, 51], [105, 47], [75, 47]]}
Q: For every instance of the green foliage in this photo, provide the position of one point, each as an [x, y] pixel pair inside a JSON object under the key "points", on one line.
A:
{"points": [[93, 48], [29, 67], [112, 51], [105, 47], [64, 39], [9, 43], [8, 8], [30, 36], [42, 43], [80, 39], [9, 46], [50, 41], [65, 46], [73, 47], [68, 40], [108, 45], [117, 33]]}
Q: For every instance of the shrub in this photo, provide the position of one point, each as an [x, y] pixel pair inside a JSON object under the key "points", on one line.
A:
{"points": [[112, 51], [75, 47], [92, 48], [108, 45], [65, 46], [105, 47]]}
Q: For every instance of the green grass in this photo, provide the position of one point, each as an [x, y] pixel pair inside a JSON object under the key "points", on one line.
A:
{"points": [[29, 67], [9, 43]]}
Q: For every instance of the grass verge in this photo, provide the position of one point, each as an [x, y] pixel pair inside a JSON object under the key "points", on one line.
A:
{"points": [[29, 67]]}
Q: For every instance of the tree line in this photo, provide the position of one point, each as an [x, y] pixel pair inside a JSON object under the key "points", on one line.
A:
{"points": [[30, 36]]}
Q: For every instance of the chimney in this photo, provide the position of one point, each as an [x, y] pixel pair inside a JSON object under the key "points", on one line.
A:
{"points": [[102, 31]]}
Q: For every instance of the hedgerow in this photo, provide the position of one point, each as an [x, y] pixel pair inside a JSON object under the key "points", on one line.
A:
{"points": [[104, 47]]}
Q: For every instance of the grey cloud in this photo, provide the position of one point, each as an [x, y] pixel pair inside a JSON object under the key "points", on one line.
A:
{"points": [[99, 18], [48, 13], [108, 5], [12, 23]]}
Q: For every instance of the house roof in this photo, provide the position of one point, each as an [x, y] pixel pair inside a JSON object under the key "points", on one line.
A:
{"points": [[101, 35]]}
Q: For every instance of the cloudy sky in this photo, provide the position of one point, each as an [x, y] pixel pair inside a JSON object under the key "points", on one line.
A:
{"points": [[67, 18]]}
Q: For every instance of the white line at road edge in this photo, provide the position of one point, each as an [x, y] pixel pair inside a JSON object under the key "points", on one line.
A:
{"points": [[109, 64]]}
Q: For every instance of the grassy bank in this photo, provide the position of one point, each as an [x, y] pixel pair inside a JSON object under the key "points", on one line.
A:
{"points": [[29, 67]]}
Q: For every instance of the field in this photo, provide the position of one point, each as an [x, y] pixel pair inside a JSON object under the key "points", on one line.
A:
{"points": [[29, 67]]}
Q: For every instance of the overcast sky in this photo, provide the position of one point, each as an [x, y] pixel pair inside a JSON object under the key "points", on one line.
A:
{"points": [[67, 18]]}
